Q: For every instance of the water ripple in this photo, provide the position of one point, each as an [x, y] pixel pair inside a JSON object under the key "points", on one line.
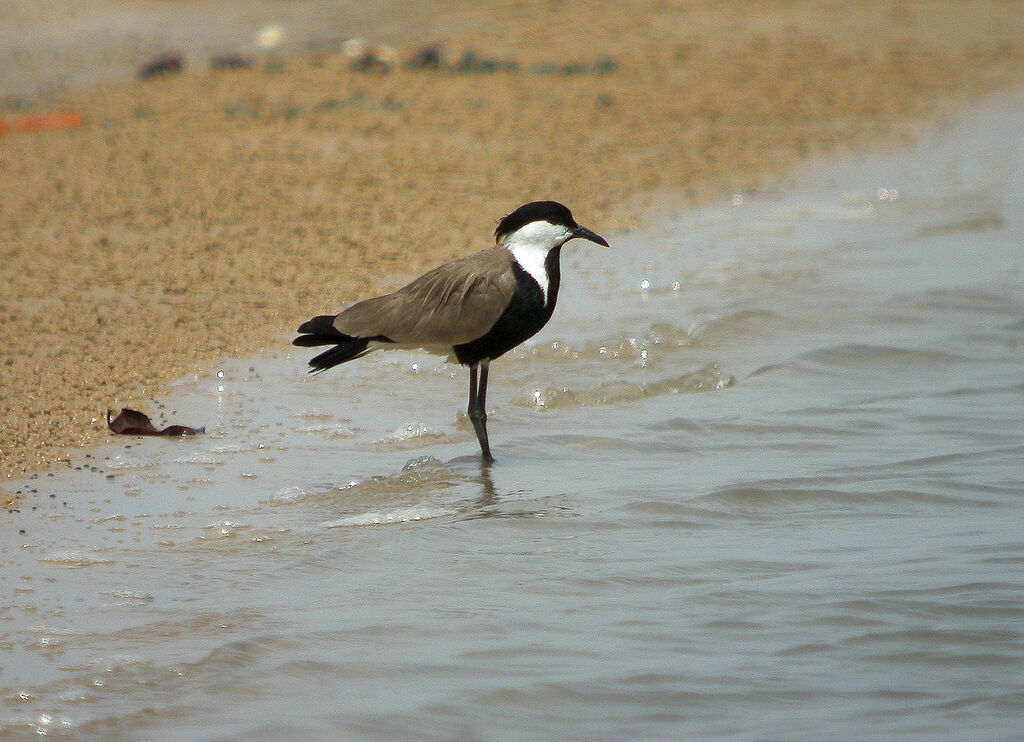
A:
{"points": [[705, 379]]}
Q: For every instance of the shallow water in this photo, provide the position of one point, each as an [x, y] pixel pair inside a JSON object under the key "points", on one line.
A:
{"points": [[760, 478]]}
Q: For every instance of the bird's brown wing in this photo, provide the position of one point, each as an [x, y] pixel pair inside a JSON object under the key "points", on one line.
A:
{"points": [[452, 304]]}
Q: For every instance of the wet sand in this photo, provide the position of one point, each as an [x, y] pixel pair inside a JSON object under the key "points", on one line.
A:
{"points": [[204, 215]]}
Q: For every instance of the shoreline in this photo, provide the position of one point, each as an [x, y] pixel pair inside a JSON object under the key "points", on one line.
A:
{"points": [[213, 211]]}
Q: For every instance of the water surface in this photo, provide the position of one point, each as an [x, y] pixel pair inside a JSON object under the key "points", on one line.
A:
{"points": [[760, 478]]}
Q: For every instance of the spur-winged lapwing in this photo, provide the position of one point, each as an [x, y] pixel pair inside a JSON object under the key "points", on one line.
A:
{"points": [[475, 308]]}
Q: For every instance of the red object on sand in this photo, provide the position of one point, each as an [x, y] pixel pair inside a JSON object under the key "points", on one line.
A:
{"points": [[39, 123]]}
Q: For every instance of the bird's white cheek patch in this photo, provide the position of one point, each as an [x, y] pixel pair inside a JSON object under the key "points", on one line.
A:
{"points": [[531, 259], [530, 245]]}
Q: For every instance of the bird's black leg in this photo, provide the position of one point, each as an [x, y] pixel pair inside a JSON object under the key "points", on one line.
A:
{"points": [[477, 413]]}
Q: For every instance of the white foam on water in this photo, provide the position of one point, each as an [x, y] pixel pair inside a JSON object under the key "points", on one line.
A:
{"points": [[289, 494], [204, 458], [389, 517], [410, 432], [329, 430], [74, 558]]}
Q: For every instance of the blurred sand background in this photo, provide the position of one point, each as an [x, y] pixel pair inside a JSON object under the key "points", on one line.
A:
{"points": [[207, 213]]}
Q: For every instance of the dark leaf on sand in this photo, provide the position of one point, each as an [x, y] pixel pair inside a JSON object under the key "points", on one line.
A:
{"points": [[133, 422]]}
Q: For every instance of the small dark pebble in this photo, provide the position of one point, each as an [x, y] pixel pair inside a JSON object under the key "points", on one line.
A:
{"points": [[471, 62], [370, 62], [165, 64], [427, 58], [575, 69], [603, 66], [21, 531], [230, 62]]}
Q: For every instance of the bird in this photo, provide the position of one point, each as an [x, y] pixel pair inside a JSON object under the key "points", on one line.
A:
{"points": [[473, 309]]}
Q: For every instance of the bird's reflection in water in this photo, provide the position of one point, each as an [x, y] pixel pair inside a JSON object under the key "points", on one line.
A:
{"points": [[488, 499], [478, 472]]}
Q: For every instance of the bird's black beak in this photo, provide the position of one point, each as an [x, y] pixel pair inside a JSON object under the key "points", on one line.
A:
{"points": [[588, 235]]}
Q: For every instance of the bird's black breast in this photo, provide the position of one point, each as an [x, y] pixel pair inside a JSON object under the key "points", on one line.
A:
{"points": [[527, 312]]}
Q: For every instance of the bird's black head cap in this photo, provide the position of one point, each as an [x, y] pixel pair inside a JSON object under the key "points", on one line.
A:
{"points": [[535, 211]]}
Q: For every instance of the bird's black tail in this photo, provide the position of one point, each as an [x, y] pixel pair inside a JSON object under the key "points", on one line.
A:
{"points": [[321, 331], [344, 351]]}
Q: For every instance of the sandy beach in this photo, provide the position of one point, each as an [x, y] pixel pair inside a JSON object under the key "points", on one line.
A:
{"points": [[205, 214]]}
